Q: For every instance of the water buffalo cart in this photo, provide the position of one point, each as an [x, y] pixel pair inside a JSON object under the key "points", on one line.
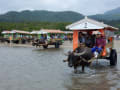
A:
{"points": [[84, 51], [49, 37]]}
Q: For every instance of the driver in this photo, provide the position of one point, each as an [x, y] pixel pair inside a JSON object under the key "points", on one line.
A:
{"points": [[81, 38]]}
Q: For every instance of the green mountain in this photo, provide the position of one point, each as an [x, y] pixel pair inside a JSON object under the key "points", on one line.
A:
{"points": [[109, 15], [50, 16], [40, 16], [35, 20], [113, 11]]}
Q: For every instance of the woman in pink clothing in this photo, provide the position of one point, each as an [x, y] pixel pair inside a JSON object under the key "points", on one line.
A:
{"points": [[100, 43]]}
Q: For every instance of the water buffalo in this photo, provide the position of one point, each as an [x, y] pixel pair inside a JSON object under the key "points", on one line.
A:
{"points": [[39, 43], [79, 57]]}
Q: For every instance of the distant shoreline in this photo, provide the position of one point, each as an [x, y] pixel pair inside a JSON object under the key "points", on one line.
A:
{"points": [[15, 45], [66, 44]]}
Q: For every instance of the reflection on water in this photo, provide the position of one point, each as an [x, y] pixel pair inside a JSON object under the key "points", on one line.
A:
{"points": [[39, 69], [98, 77]]}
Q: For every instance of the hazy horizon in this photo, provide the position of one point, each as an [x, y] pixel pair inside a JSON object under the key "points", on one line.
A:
{"points": [[85, 7]]}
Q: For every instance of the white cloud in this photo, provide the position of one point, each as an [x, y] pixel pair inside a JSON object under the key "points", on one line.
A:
{"points": [[81, 6]]}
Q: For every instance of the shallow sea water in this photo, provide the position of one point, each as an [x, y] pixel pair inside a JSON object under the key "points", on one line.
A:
{"points": [[38, 69]]}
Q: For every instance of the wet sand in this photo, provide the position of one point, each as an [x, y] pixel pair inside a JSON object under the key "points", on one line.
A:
{"points": [[30, 68]]}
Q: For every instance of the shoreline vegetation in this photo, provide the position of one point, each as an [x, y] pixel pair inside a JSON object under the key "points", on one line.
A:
{"points": [[28, 20], [30, 26]]}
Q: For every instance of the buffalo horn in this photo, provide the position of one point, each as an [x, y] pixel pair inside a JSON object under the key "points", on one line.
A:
{"points": [[79, 54], [67, 54]]}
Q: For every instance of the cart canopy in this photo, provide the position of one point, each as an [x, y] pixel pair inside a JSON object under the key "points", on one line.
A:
{"points": [[5, 32], [68, 32], [34, 32], [52, 31], [19, 31], [42, 32], [89, 24]]}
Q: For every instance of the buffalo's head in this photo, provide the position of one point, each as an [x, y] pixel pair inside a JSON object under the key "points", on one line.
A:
{"points": [[70, 58], [73, 58]]}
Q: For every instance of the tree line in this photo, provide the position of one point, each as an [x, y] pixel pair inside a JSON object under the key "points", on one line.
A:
{"points": [[30, 26]]}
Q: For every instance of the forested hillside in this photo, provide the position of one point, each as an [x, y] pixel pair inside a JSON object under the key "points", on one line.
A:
{"points": [[36, 20]]}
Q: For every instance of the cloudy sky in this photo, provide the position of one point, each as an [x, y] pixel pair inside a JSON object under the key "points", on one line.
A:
{"points": [[86, 7]]}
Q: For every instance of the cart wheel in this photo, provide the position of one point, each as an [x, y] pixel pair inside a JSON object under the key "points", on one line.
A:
{"points": [[57, 45], [45, 46], [113, 57]]}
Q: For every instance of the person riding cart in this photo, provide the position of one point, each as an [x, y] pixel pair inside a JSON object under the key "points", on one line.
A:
{"points": [[97, 41]]}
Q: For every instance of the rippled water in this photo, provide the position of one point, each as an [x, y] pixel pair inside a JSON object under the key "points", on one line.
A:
{"points": [[39, 69]]}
